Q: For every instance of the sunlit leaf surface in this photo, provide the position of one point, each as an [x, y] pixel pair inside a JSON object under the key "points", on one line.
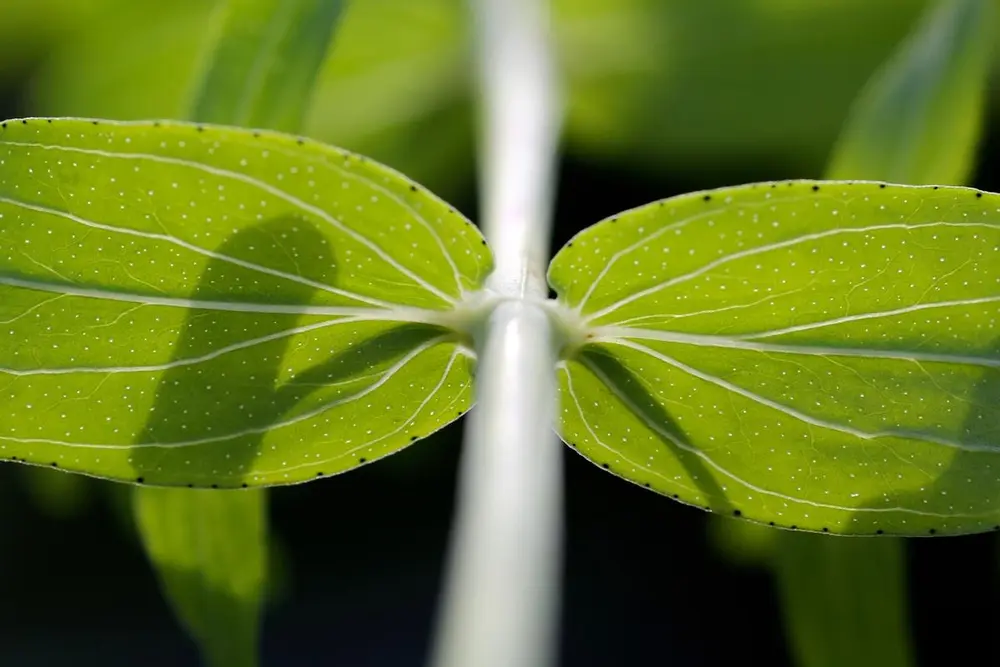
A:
{"points": [[818, 355], [192, 305]]}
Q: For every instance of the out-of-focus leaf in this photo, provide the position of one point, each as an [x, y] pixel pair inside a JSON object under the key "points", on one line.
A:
{"points": [[31, 28], [663, 82], [263, 70], [918, 121], [56, 493], [209, 549], [841, 601], [742, 542]]}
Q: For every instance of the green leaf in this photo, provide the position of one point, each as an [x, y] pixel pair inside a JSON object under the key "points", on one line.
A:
{"points": [[817, 355], [640, 81], [215, 585], [199, 305], [264, 68], [743, 542], [860, 584], [918, 121], [56, 493]]}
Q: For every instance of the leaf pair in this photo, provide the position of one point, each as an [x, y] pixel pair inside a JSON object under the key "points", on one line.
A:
{"points": [[204, 306]]}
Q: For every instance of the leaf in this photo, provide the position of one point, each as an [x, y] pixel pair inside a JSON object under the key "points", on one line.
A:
{"points": [[743, 542], [919, 120], [642, 88], [198, 305], [215, 585], [57, 494], [815, 355], [860, 584], [261, 73], [264, 68]]}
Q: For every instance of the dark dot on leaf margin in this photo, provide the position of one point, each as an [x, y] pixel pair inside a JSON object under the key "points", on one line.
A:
{"points": [[319, 474], [215, 486], [932, 531], [825, 529], [881, 186], [245, 485], [140, 480], [880, 532], [362, 460], [190, 486], [606, 466], [815, 188], [978, 195], [737, 513], [412, 438], [793, 527], [707, 198], [54, 464]]}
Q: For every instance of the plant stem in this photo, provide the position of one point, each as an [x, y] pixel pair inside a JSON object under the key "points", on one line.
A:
{"points": [[501, 597]]}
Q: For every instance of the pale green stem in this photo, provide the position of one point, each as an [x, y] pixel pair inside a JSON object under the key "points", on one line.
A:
{"points": [[500, 605]]}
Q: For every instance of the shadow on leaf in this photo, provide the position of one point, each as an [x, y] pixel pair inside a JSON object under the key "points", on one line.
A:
{"points": [[209, 418], [623, 382]]}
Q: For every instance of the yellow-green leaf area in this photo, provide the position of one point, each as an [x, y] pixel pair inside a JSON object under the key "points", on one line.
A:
{"points": [[820, 355], [196, 305]]}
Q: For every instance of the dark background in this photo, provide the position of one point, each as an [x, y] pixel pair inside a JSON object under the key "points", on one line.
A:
{"points": [[361, 555]]}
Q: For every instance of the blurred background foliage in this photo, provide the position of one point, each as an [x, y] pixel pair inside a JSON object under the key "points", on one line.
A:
{"points": [[664, 96], [653, 84]]}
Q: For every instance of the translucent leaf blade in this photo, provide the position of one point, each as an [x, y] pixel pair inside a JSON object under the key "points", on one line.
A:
{"points": [[818, 355], [192, 305]]}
